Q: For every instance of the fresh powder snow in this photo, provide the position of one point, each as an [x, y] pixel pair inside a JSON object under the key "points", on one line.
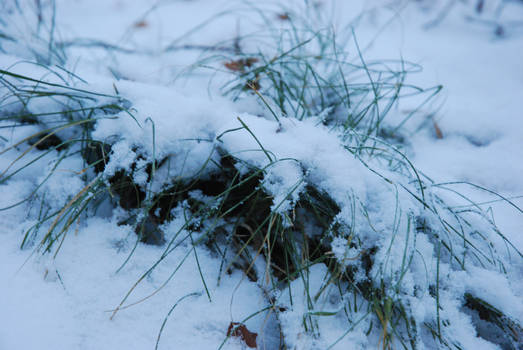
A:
{"points": [[432, 193]]}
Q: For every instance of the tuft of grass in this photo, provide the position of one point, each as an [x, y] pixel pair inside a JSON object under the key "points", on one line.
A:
{"points": [[304, 72], [31, 28], [64, 131]]}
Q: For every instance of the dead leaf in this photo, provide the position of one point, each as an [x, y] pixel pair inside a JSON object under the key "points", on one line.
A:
{"points": [[141, 24], [283, 16], [239, 330], [437, 130], [241, 64]]}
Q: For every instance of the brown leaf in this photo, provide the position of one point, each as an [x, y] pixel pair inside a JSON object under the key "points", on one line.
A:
{"points": [[283, 16], [239, 65], [437, 130], [239, 330], [141, 24]]}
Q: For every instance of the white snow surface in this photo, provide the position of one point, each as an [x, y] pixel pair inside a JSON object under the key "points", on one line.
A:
{"points": [[66, 301]]}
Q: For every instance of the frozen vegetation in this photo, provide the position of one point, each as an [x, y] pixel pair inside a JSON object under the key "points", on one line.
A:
{"points": [[209, 174]]}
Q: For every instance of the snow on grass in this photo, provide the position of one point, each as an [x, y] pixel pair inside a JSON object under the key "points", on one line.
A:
{"points": [[270, 163]]}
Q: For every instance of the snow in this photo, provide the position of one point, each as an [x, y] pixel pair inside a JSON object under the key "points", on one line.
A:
{"points": [[70, 300], [44, 313]]}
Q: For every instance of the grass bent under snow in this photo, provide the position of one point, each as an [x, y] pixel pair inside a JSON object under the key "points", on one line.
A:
{"points": [[294, 177]]}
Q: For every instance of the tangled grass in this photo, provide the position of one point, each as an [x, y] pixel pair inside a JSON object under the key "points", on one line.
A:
{"points": [[377, 269]]}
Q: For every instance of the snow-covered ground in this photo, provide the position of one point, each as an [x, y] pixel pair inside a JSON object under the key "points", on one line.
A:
{"points": [[468, 137]]}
